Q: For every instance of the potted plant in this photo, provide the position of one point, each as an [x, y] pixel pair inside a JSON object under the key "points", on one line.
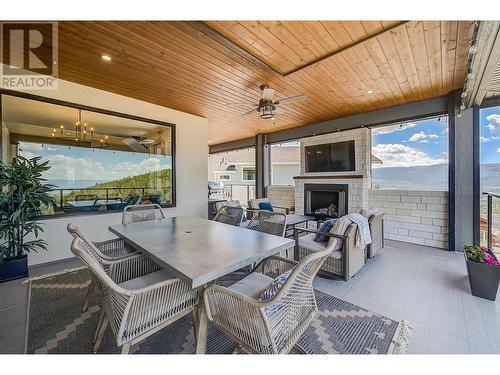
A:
{"points": [[22, 194], [483, 269]]}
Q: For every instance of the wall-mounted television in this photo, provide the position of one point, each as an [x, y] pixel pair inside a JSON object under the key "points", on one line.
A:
{"points": [[331, 157]]}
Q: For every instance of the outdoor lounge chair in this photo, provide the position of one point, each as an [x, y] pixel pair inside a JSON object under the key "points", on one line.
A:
{"points": [[254, 204], [267, 222], [142, 212], [345, 257], [274, 325], [109, 251], [139, 298], [230, 215]]}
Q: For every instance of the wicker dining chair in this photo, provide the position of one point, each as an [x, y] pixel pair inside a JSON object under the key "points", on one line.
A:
{"points": [[230, 215], [267, 222], [109, 251], [142, 212], [139, 298], [275, 325]]}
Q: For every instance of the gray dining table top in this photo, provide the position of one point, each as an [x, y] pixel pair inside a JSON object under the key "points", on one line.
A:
{"points": [[198, 250]]}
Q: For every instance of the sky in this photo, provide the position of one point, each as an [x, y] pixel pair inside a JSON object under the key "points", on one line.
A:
{"points": [[79, 163], [423, 142], [490, 135]]}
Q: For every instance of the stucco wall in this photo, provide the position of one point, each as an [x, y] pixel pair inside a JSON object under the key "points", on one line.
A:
{"points": [[191, 166]]}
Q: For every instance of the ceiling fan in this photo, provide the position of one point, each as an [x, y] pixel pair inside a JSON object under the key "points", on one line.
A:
{"points": [[267, 107], [139, 144]]}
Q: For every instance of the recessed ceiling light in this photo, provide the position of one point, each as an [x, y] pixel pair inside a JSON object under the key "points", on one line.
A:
{"points": [[106, 57], [369, 91]]}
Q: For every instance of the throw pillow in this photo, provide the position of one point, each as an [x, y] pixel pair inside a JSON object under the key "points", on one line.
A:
{"points": [[266, 206], [275, 286], [324, 228]]}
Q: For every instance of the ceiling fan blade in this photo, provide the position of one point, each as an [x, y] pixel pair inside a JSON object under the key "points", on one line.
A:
{"points": [[279, 110], [267, 94], [243, 103], [249, 112], [292, 99]]}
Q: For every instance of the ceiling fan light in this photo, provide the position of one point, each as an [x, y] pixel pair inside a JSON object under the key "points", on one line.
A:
{"points": [[266, 112]]}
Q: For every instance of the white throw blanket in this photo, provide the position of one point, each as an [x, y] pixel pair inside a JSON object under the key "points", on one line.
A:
{"points": [[363, 236]]}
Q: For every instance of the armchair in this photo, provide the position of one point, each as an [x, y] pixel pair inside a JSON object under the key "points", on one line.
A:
{"points": [[138, 298], [345, 258], [273, 326], [108, 251]]}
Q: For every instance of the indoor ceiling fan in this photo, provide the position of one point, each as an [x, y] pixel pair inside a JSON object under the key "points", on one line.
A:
{"points": [[139, 144], [267, 107]]}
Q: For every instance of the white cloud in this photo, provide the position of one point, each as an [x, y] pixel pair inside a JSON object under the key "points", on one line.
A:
{"points": [[498, 149], [398, 155], [393, 128], [494, 123], [64, 167], [445, 131], [484, 139], [418, 137], [422, 137]]}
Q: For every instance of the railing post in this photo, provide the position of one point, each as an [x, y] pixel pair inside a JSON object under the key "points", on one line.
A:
{"points": [[490, 220], [61, 198], [107, 195]]}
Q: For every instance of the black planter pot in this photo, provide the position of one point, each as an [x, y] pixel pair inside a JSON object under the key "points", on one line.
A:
{"points": [[483, 279], [14, 268]]}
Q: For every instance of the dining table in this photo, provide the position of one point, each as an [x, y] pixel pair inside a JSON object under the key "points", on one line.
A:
{"points": [[200, 251]]}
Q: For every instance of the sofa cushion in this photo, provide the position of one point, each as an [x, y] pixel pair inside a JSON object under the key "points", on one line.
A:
{"points": [[146, 280], [307, 242], [325, 228], [252, 285]]}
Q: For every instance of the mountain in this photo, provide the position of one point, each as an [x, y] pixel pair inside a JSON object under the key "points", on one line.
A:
{"points": [[429, 177], [433, 177], [151, 182]]}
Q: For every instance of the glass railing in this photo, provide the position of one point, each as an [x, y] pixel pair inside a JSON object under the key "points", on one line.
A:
{"points": [[87, 200], [490, 221]]}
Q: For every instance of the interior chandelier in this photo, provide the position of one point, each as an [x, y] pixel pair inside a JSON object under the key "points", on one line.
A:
{"points": [[81, 132]]}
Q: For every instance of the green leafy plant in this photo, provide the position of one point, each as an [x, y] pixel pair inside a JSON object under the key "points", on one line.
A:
{"points": [[22, 193], [474, 253]]}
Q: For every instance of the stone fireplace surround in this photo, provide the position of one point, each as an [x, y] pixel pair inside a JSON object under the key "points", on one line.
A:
{"points": [[357, 183], [320, 196]]}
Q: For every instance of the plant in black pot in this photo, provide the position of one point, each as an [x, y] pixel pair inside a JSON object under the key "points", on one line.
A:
{"points": [[483, 269], [23, 193]]}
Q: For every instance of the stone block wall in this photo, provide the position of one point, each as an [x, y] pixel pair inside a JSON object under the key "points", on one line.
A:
{"points": [[419, 217]]}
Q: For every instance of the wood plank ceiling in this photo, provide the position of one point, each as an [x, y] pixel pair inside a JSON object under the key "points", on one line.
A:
{"points": [[199, 67]]}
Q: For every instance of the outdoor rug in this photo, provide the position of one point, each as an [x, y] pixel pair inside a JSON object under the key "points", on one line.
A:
{"points": [[56, 324]]}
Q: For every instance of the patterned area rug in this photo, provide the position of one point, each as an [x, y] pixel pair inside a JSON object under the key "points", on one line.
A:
{"points": [[56, 324]]}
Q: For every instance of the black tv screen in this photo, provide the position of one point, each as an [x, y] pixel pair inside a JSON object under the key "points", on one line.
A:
{"points": [[331, 157]]}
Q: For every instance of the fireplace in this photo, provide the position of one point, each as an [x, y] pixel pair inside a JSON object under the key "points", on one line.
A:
{"points": [[325, 201]]}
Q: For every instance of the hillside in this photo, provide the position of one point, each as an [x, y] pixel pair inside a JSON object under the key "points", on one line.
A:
{"points": [[434, 177], [158, 182]]}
